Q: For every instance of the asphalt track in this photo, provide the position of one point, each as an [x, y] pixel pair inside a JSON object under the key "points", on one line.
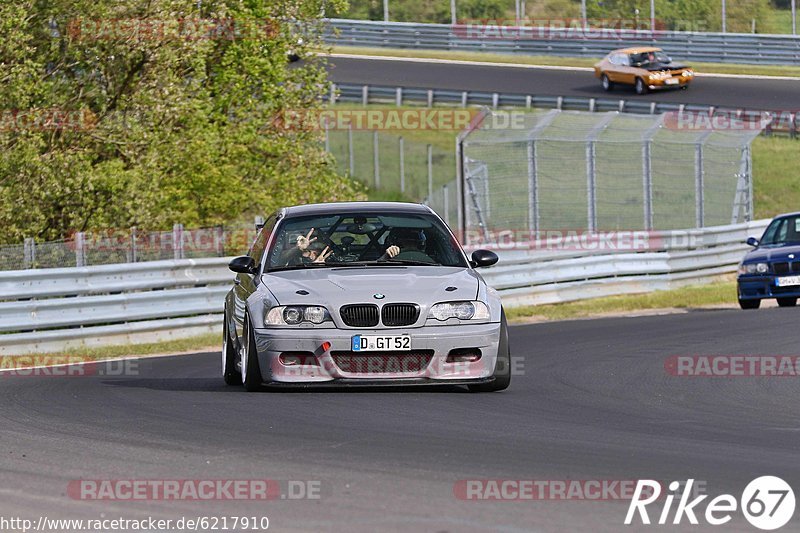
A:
{"points": [[756, 94], [593, 401]]}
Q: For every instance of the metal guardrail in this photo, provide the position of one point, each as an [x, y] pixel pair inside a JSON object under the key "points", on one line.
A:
{"points": [[60, 309], [688, 46], [377, 94]]}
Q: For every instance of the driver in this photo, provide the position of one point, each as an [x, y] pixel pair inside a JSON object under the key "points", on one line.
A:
{"points": [[406, 244], [306, 250]]}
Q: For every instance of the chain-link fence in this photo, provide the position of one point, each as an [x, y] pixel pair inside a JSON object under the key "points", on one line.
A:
{"points": [[128, 246], [395, 166], [571, 170]]}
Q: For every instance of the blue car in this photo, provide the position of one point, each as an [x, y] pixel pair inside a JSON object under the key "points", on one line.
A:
{"points": [[772, 268]]}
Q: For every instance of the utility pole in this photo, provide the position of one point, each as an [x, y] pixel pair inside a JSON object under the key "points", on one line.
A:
{"points": [[652, 16], [794, 18], [453, 17], [583, 13], [724, 18], [386, 10]]}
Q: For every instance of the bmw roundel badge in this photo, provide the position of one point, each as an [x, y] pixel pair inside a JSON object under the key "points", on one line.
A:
{"points": [[378, 296]]}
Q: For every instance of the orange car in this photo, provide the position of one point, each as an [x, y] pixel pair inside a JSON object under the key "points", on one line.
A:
{"points": [[645, 68]]}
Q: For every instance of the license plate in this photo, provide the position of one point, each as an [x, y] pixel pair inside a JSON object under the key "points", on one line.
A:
{"points": [[672, 81], [383, 343], [787, 281]]}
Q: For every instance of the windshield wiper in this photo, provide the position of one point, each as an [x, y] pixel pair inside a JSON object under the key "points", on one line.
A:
{"points": [[410, 262]]}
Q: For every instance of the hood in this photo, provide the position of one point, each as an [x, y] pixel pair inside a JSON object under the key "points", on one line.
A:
{"points": [[656, 67], [334, 287], [769, 254]]}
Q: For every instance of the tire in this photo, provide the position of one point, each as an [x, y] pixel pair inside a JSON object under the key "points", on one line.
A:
{"points": [[230, 374], [749, 304], [608, 85], [787, 302], [640, 87], [251, 371], [502, 369]]}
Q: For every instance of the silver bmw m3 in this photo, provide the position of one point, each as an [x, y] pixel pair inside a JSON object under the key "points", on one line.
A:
{"points": [[362, 293]]}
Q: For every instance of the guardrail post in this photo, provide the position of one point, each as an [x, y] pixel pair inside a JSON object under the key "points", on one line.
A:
{"points": [[327, 138], [495, 100], [219, 239], [559, 102], [365, 95], [177, 241], [464, 98], [621, 106], [398, 98], [652, 108], [402, 165], [132, 257], [591, 105], [29, 252], [430, 97], [332, 98], [528, 101], [80, 249], [792, 125], [376, 161]]}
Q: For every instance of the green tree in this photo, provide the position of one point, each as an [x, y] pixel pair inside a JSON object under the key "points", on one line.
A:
{"points": [[172, 113]]}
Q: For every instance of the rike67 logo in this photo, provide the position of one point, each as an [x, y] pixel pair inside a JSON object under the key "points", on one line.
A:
{"points": [[767, 503]]}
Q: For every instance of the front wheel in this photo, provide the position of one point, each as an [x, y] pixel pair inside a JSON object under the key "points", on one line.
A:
{"points": [[640, 87], [608, 85], [749, 304], [787, 302], [502, 368], [230, 373], [251, 370]]}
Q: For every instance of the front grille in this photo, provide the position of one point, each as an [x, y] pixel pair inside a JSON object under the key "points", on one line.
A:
{"points": [[360, 315], [383, 362], [780, 268], [399, 314]]}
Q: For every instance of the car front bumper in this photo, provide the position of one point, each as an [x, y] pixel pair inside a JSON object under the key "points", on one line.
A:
{"points": [[338, 365], [761, 287]]}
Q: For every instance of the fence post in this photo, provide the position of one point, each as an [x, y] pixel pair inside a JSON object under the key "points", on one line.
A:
{"points": [[376, 161], [533, 191], [177, 241], [29, 251], [327, 138], [80, 249], [219, 239], [698, 185], [430, 173], [133, 245], [591, 190], [446, 204], [402, 165], [350, 152], [647, 185]]}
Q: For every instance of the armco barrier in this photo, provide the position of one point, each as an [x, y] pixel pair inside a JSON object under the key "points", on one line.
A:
{"points": [[687, 46], [59, 309]]}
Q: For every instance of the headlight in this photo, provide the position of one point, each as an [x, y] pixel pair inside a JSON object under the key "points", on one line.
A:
{"points": [[296, 314], [459, 310], [688, 73], [753, 268]]}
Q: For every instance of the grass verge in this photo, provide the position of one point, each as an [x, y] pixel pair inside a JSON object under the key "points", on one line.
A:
{"points": [[714, 294], [557, 61], [191, 344]]}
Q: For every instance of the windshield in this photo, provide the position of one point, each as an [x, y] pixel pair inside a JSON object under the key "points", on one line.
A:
{"points": [[781, 231], [355, 239], [648, 58]]}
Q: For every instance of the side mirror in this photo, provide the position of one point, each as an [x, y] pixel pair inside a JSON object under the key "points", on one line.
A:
{"points": [[243, 265], [752, 241], [483, 258]]}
